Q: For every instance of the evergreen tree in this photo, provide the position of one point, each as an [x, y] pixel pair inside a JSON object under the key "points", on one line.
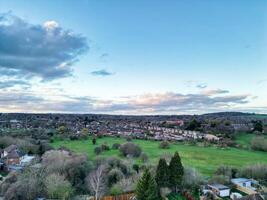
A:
{"points": [[162, 174], [142, 186], [147, 188], [176, 170], [153, 191]]}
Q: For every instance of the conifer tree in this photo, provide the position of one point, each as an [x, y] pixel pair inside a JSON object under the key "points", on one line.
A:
{"points": [[176, 170], [142, 186], [153, 191], [162, 174], [147, 188]]}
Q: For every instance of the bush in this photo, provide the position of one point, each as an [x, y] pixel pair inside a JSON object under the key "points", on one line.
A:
{"points": [[164, 145], [98, 150], [144, 157], [136, 167], [116, 190], [116, 146], [105, 147], [130, 149], [113, 162], [129, 139], [58, 187], [259, 144], [114, 176], [191, 178], [94, 140], [257, 171]]}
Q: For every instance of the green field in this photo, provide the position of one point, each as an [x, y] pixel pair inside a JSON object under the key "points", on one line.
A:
{"points": [[205, 159], [244, 139]]}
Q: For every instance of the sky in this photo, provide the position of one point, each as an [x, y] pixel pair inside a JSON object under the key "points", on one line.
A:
{"points": [[133, 57]]}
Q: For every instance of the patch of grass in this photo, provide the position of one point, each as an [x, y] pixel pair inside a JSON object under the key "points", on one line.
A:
{"points": [[205, 159], [244, 139]]}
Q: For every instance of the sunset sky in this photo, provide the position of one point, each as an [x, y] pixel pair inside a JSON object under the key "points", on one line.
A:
{"points": [[133, 57]]}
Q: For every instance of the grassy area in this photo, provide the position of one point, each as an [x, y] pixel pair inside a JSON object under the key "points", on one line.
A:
{"points": [[244, 139], [205, 159]]}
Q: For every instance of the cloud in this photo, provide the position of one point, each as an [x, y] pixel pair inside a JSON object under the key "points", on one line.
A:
{"points": [[201, 85], [263, 81], [195, 83], [161, 103], [214, 92], [104, 56], [32, 50], [12, 83], [101, 72]]}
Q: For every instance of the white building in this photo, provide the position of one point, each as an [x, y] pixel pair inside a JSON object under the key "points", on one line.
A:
{"points": [[220, 190]]}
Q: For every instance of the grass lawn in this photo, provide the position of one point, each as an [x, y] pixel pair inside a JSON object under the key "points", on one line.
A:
{"points": [[205, 159], [244, 139]]}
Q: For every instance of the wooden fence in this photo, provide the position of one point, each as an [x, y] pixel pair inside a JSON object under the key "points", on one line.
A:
{"points": [[119, 197]]}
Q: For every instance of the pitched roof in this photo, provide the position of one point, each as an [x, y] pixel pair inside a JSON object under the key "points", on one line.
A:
{"points": [[10, 148], [218, 186]]}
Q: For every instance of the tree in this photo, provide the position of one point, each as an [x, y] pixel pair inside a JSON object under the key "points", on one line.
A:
{"points": [[136, 168], [97, 182], [62, 129], [130, 149], [258, 126], [153, 190], [94, 140], [164, 145], [176, 170], [193, 125], [85, 131], [142, 186], [147, 188], [58, 187], [162, 174]]}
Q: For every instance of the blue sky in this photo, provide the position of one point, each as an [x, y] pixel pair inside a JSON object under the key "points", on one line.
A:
{"points": [[133, 57]]}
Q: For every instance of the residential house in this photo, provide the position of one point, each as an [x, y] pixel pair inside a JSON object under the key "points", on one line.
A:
{"points": [[13, 159], [219, 189], [245, 185]]}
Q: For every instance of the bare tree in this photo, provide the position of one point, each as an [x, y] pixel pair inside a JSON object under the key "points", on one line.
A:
{"points": [[97, 182]]}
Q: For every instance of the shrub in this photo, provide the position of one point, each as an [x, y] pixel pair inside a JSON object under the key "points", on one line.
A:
{"points": [[116, 190], [116, 146], [105, 147], [114, 176], [191, 178], [164, 145], [130, 149], [98, 150], [94, 140], [58, 187], [259, 143], [136, 167], [113, 162], [129, 139], [257, 171], [144, 157]]}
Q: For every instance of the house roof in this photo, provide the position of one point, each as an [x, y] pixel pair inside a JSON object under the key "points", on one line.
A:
{"points": [[240, 180], [13, 154], [10, 148], [218, 186]]}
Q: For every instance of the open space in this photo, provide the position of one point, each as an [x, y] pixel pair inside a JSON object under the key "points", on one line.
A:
{"points": [[244, 139], [205, 159]]}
